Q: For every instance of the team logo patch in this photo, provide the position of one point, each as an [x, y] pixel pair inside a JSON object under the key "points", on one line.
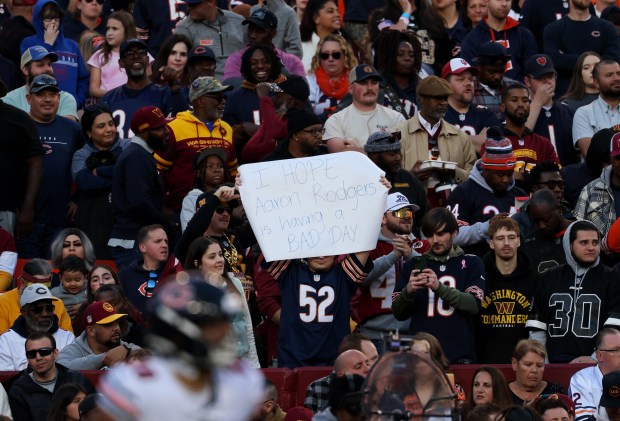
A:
{"points": [[614, 391], [541, 60], [206, 42], [596, 34], [317, 277], [89, 319], [476, 292], [108, 307], [367, 69], [442, 268]]}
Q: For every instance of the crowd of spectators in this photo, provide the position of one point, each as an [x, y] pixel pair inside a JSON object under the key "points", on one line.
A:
{"points": [[496, 123]]}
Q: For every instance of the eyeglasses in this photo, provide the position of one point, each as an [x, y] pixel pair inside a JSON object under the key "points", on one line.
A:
{"points": [[38, 309], [404, 213], [336, 55], [134, 54], [44, 352], [614, 351], [221, 209], [315, 132], [98, 1], [152, 282], [552, 184]]}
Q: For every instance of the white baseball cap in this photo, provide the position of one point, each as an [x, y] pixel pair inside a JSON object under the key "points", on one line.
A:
{"points": [[457, 66], [34, 293], [396, 201]]}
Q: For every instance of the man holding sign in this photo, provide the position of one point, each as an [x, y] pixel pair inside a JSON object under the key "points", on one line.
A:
{"points": [[300, 208]]}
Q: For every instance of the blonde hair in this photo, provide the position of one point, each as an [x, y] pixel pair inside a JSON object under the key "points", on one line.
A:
{"points": [[524, 346], [349, 58]]}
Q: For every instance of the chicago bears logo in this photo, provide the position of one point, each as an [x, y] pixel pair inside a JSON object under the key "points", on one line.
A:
{"points": [[596, 34], [542, 61]]}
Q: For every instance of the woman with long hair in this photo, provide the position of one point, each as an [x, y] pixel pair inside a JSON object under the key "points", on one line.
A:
{"points": [[419, 17], [488, 386], [398, 58], [472, 12], [65, 402], [328, 77], [320, 19], [72, 242], [449, 10], [206, 255], [172, 59], [92, 169], [581, 90]]}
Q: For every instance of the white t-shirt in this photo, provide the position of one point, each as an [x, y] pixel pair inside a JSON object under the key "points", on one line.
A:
{"points": [[151, 390], [355, 125]]}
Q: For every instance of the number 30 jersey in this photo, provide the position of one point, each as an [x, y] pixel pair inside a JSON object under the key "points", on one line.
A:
{"points": [[571, 310], [315, 309]]}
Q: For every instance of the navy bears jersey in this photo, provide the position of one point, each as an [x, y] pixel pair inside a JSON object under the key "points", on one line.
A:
{"points": [[453, 328], [315, 309], [474, 120]]}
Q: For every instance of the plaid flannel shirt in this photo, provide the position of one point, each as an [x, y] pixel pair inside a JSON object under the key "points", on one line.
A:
{"points": [[317, 393], [483, 97], [596, 203]]}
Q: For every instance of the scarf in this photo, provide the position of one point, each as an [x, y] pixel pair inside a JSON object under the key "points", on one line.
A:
{"points": [[332, 88]]}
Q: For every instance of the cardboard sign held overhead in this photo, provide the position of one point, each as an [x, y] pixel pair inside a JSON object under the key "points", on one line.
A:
{"points": [[320, 206]]}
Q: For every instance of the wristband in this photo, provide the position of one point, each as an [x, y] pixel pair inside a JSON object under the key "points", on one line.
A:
{"points": [[406, 15]]}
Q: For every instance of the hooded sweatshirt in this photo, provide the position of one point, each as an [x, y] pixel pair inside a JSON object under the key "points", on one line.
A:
{"points": [[188, 136], [80, 356], [518, 41], [475, 201], [504, 308], [83, 176], [69, 70], [572, 303]]}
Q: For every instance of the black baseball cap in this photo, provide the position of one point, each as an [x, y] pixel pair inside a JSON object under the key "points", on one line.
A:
{"points": [[263, 18], [200, 52], [539, 65], [129, 43], [611, 390], [492, 53]]}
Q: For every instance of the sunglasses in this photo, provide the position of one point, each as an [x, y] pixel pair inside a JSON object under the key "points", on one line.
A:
{"points": [[38, 309], [552, 184], [44, 81], [44, 352], [152, 282], [404, 213], [336, 55], [221, 209], [314, 132], [90, 1]]}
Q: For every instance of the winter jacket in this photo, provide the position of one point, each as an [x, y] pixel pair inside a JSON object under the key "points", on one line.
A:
{"points": [[79, 355], [188, 136], [596, 202], [12, 342], [518, 41], [31, 402], [454, 145], [84, 177], [70, 69]]}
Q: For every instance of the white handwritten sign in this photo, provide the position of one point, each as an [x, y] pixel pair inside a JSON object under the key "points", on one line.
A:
{"points": [[320, 206]]}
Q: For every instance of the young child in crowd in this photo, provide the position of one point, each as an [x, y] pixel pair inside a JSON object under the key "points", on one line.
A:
{"points": [[105, 71], [72, 288]]}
